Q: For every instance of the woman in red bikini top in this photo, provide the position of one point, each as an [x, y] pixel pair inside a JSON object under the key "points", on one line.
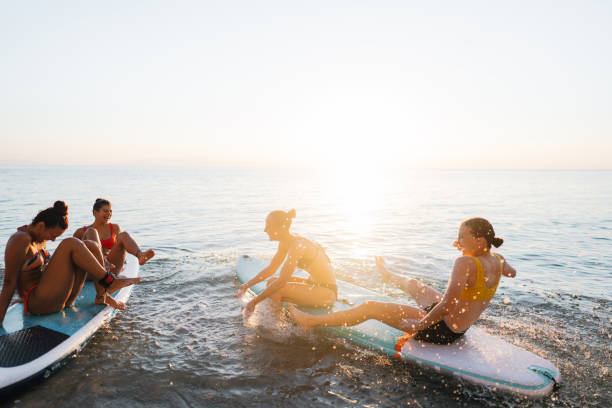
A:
{"points": [[107, 244], [114, 242], [49, 284]]}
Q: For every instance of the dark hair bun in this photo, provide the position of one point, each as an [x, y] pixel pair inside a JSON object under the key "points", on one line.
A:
{"points": [[496, 242], [291, 213], [61, 208]]}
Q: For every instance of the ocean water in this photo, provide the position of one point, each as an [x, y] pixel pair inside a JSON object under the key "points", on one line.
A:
{"points": [[183, 342]]}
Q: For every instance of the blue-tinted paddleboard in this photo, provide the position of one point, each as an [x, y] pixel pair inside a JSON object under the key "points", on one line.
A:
{"points": [[32, 347], [477, 357]]}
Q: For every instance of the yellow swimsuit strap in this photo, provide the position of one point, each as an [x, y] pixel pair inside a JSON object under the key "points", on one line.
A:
{"points": [[480, 291]]}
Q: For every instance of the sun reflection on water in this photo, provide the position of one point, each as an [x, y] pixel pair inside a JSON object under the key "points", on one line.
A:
{"points": [[359, 196]]}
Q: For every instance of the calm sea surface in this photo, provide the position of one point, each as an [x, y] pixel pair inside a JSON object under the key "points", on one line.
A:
{"points": [[183, 342]]}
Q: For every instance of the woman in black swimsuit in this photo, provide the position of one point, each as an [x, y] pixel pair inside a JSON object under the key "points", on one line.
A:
{"points": [[320, 290]]}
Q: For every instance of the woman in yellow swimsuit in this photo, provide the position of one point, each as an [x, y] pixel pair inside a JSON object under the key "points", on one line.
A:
{"points": [[318, 291], [49, 284], [441, 318]]}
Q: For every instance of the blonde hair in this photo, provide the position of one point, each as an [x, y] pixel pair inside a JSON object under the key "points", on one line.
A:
{"points": [[282, 218]]}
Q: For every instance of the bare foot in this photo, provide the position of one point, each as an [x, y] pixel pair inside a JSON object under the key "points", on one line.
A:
{"points": [[380, 264], [143, 257], [119, 283], [301, 318], [108, 300]]}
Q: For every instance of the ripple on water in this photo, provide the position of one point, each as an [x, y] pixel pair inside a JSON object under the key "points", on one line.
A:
{"points": [[184, 342]]}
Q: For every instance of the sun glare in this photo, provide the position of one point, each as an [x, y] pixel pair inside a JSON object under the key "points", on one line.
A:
{"points": [[356, 191]]}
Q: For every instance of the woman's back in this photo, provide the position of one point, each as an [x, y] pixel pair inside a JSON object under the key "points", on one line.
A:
{"points": [[483, 276], [315, 261]]}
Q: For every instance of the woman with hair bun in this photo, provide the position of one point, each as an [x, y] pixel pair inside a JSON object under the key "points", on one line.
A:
{"points": [[320, 290], [48, 284], [441, 318], [118, 242]]}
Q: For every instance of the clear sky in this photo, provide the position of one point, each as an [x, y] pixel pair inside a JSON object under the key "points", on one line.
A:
{"points": [[440, 84]]}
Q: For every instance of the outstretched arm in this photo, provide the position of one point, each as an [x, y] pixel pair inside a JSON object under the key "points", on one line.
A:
{"points": [[507, 270], [285, 274], [268, 271]]}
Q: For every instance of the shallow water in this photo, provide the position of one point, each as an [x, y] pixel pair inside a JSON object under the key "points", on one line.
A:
{"points": [[183, 342]]}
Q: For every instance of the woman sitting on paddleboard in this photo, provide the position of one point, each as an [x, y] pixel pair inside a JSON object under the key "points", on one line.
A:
{"points": [[441, 319], [318, 291], [49, 284], [118, 243]]}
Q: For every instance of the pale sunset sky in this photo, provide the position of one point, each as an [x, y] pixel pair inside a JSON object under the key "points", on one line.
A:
{"points": [[442, 84]]}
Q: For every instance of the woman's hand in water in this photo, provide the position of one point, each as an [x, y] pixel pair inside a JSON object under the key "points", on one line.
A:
{"points": [[380, 264], [249, 308], [241, 291]]}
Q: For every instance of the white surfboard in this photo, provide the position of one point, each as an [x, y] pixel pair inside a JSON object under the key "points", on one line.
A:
{"points": [[32, 347], [477, 357]]}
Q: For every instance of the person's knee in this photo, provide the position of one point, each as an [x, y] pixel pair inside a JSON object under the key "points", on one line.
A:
{"points": [[122, 236], [91, 234], [329, 302], [92, 245], [70, 242]]}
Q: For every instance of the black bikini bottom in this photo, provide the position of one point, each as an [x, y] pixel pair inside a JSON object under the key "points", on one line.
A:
{"points": [[437, 333]]}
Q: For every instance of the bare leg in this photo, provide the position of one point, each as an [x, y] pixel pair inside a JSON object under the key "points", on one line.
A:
{"points": [[125, 243], [91, 238], [424, 295], [77, 286], [304, 294], [386, 312], [102, 297], [57, 283]]}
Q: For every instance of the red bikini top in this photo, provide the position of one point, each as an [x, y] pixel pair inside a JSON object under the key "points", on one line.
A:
{"points": [[110, 242]]}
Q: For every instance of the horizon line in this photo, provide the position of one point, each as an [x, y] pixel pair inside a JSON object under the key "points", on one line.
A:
{"points": [[283, 167]]}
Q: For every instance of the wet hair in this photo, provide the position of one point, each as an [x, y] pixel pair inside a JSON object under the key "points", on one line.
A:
{"points": [[280, 217], [56, 216], [482, 228], [100, 202]]}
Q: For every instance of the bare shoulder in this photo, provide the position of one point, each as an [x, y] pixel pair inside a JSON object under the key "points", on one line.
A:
{"points": [[116, 228], [297, 247], [507, 270], [19, 239], [465, 262], [464, 268], [500, 256], [78, 233]]}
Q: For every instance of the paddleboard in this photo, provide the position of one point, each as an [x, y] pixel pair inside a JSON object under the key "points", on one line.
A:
{"points": [[34, 347], [477, 357]]}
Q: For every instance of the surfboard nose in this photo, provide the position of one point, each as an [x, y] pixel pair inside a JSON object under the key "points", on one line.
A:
{"points": [[547, 374]]}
